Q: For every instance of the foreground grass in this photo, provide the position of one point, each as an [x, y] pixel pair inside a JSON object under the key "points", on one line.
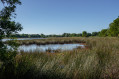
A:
{"points": [[99, 60]]}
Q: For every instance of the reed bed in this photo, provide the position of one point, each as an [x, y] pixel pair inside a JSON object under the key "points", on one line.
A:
{"points": [[99, 60], [62, 40]]}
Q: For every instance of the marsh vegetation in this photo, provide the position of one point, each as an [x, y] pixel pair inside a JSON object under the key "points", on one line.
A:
{"points": [[99, 60]]}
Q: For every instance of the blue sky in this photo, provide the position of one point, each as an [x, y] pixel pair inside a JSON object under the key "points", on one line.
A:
{"points": [[69, 16]]}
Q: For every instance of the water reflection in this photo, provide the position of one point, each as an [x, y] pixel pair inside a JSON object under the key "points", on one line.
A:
{"points": [[43, 48]]}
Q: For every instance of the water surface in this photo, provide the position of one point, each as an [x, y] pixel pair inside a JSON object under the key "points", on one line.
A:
{"points": [[43, 48]]}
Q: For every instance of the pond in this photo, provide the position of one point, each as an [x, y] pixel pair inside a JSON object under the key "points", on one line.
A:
{"points": [[22, 39], [43, 48]]}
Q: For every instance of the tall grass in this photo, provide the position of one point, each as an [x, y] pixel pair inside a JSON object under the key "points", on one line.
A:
{"points": [[99, 60], [62, 40]]}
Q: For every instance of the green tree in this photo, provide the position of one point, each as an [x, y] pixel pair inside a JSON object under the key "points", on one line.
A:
{"points": [[42, 35], [95, 33], [103, 32], [8, 27], [114, 28], [65, 34], [84, 34], [88, 34]]}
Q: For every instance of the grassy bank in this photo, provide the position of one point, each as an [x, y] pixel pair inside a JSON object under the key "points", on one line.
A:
{"points": [[64, 40], [100, 60]]}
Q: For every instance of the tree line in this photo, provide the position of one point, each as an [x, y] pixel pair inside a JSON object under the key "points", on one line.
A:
{"points": [[83, 34]]}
